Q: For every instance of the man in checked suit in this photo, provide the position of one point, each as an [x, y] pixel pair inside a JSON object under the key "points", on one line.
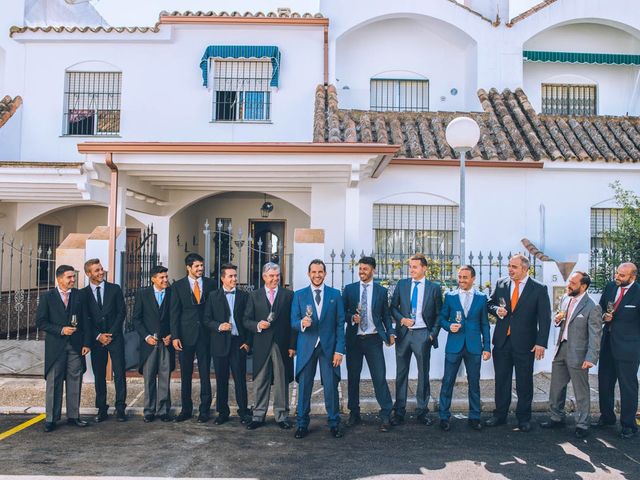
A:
{"points": [[230, 342], [268, 316], [465, 316], [576, 351], [157, 358], [190, 336], [366, 306], [317, 313], [106, 311], [620, 349], [415, 307], [520, 337], [68, 338]]}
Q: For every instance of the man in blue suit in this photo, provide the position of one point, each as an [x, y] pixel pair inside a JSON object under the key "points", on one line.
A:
{"points": [[366, 306], [317, 313], [465, 316]]}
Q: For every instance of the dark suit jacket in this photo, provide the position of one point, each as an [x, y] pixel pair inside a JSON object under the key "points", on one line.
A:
{"points": [[475, 332], [187, 316], [52, 316], [431, 305], [624, 330], [529, 322], [111, 318], [149, 318], [280, 331], [379, 311], [217, 312]]}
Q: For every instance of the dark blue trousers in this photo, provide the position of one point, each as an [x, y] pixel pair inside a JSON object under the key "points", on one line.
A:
{"points": [[330, 383], [451, 366]]}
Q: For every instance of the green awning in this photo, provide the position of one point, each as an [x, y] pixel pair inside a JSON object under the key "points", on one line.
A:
{"points": [[585, 58], [241, 51]]}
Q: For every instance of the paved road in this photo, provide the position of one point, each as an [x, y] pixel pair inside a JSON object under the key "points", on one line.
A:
{"points": [[407, 452]]}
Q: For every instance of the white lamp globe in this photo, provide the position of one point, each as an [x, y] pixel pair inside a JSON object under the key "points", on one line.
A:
{"points": [[462, 134]]}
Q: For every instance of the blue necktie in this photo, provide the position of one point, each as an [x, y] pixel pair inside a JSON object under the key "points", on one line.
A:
{"points": [[414, 297], [160, 297], [364, 321]]}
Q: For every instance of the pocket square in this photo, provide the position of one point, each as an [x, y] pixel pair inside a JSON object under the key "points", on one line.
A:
{"points": [[629, 306], [580, 316]]}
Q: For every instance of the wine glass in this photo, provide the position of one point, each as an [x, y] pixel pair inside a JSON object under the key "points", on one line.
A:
{"points": [[270, 317], [610, 307], [309, 311], [74, 320], [359, 308], [458, 317], [502, 302], [157, 339]]}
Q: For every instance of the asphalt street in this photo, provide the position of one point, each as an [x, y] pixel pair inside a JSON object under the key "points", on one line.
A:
{"points": [[410, 451]]}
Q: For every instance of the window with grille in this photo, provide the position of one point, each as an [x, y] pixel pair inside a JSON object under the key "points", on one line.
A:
{"points": [[48, 241], [603, 220], [92, 103], [399, 95], [565, 99], [241, 91]]}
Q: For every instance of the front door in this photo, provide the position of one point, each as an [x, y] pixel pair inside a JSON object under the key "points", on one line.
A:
{"points": [[268, 246]]}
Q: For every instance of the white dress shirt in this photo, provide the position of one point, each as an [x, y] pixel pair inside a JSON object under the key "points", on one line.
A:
{"points": [[619, 291], [371, 328], [155, 291], [192, 281], [571, 308], [419, 323], [521, 285], [464, 298], [231, 300], [95, 291]]}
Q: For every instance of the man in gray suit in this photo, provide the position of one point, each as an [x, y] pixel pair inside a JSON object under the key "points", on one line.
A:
{"points": [[577, 347]]}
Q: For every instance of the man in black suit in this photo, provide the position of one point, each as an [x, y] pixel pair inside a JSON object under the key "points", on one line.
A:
{"points": [[268, 316], [520, 337], [230, 342], [415, 306], [157, 358], [366, 306], [190, 336], [620, 349], [106, 312], [68, 338]]}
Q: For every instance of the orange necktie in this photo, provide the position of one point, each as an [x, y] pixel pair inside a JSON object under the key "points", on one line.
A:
{"points": [[196, 291], [514, 301]]}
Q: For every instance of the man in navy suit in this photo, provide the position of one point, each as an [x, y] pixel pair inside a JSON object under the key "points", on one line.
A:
{"points": [[465, 316], [620, 349], [366, 306], [415, 306], [317, 313]]}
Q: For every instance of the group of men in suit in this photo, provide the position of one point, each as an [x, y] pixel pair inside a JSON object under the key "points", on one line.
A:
{"points": [[225, 324]]}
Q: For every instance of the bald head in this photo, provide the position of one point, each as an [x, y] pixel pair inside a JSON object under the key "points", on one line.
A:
{"points": [[625, 274]]}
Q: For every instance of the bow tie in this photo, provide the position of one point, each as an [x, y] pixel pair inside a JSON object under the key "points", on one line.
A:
{"points": [[232, 292]]}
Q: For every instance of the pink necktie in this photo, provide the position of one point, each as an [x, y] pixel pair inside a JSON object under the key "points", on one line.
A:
{"points": [[623, 290], [65, 298], [271, 297]]}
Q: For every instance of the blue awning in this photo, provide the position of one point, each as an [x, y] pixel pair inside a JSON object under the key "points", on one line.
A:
{"points": [[584, 58], [241, 51]]}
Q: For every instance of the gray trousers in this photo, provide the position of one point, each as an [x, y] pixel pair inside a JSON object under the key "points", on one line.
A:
{"points": [[157, 379], [68, 370], [273, 370], [414, 342], [561, 374]]}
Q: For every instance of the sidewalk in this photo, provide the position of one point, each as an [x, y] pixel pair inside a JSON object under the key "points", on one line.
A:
{"points": [[26, 395]]}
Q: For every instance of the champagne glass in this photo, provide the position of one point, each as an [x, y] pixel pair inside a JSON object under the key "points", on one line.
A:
{"points": [[74, 320], [502, 302], [270, 317], [610, 307], [458, 317], [359, 308], [155, 337], [413, 315], [309, 311]]}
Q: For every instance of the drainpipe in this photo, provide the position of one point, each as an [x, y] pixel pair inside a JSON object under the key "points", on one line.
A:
{"points": [[326, 55]]}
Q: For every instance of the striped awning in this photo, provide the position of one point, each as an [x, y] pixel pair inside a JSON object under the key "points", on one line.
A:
{"points": [[241, 51], [584, 58]]}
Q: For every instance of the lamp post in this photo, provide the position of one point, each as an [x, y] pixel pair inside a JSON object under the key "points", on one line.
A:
{"points": [[462, 134]]}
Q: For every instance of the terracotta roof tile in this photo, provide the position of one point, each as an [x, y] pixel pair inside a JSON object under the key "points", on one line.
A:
{"points": [[527, 13], [510, 130], [281, 13], [535, 251], [8, 107]]}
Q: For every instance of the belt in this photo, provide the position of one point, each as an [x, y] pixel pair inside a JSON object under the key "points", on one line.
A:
{"points": [[367, 335]]}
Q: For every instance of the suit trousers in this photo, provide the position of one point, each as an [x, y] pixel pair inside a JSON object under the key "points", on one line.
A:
{"points": [[157, 381], [625, 373], [472, 362], [329, 381], [416, 342], [66, 370], [272, 372], [99, 365], [200, 351], [236, 362], [368, 347], [505, 360], [561, 374]]}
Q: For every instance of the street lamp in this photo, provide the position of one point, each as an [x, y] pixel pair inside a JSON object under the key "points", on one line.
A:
{"points": [[462, 134]]}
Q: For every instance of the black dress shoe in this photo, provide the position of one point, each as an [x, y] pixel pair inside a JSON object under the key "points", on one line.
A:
{"points": [[284, 425], [424, 419], [475, 424], [166, 417], [524, 427], [601, 423], [494, 422], [336, 432], [245, 419], [221, 419], [253, 424], [149, 418], [582, 432], [76, 422], [121, 415], [301, 432], [354, 420], [628, 433], [182, 416], [397, 420], [384, 426], [552, 424], [445, 426], [49, 427], [101, 416], [203, 418]]}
